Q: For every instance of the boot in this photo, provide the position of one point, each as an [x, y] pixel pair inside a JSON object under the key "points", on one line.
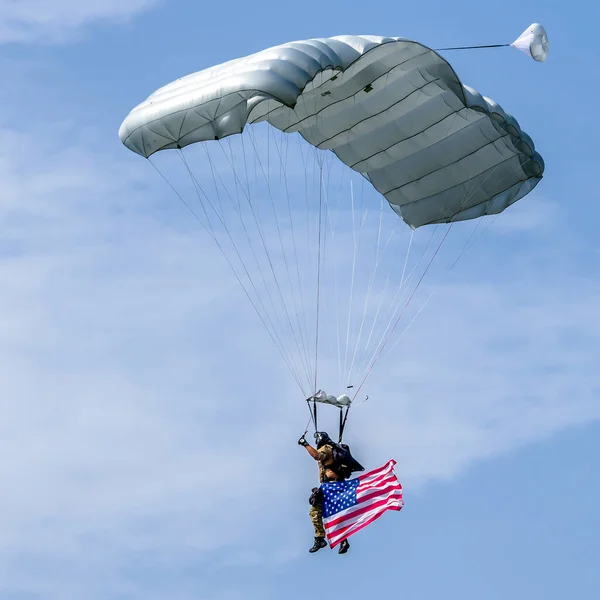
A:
{"points": [[344, 547], [319, 543]]}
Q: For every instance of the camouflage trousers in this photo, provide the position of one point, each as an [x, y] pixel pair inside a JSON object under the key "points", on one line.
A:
{"points": [[316, 516]]}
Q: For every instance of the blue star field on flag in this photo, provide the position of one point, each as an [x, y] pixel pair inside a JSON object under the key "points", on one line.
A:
{"points": [[338, 496]]}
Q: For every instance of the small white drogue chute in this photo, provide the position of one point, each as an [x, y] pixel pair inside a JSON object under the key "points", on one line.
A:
{"points": [[533, 41]]}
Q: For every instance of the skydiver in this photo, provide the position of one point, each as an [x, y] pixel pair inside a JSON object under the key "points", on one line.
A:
{"points": [[323, 453]]}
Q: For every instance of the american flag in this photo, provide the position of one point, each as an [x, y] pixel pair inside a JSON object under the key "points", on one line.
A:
{"points": [[348, 506]]}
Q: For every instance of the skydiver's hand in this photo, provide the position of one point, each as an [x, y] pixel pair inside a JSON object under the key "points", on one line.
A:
{"points": [[302, 441]]}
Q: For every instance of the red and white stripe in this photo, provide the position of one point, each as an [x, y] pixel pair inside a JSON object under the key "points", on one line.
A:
{"points": [[379, 490]]}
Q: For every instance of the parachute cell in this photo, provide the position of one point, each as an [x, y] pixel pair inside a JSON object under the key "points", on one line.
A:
{"points": [[391, 109]]}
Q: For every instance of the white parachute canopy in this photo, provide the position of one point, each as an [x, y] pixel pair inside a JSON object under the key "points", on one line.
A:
{"points": [[304, 161], [533, 41], [391, 109]]}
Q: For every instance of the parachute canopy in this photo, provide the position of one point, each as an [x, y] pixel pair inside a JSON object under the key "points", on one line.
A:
{"points": [[392, 109]]}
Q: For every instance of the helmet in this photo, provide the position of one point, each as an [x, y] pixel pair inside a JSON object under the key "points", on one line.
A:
{"points": [[322, 438]]}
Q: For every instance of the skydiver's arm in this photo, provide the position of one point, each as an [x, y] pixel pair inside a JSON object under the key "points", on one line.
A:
{"points": [[314, 453]]}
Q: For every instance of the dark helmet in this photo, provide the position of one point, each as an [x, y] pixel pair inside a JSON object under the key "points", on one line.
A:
{"points": [[322, 438]]}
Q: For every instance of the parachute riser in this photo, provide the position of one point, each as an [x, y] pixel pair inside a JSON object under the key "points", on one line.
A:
{"points": [[343, 423], [343, 419], [343, 414]]}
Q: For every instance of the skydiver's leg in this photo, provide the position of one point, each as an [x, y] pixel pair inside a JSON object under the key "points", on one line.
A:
{"points": [[316, 516], [344, 546]]}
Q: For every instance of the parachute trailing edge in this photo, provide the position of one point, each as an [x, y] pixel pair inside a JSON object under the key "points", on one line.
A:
{"points": [[392, 109]]}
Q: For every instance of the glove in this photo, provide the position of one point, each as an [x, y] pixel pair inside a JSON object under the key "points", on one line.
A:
{"points": [[302, 441]]}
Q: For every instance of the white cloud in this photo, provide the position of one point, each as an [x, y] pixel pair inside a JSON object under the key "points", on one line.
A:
{"points": [[140, 397], [56, 20], [508, 365], [535, 215], [117, 419]]}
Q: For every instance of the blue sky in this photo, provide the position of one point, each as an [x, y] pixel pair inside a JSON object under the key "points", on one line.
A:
{"points": [[148, 431]]}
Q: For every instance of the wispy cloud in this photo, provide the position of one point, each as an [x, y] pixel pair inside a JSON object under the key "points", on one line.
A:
{"points": [[56, 21], [141, 396], [117, 415], [490, 367]]}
